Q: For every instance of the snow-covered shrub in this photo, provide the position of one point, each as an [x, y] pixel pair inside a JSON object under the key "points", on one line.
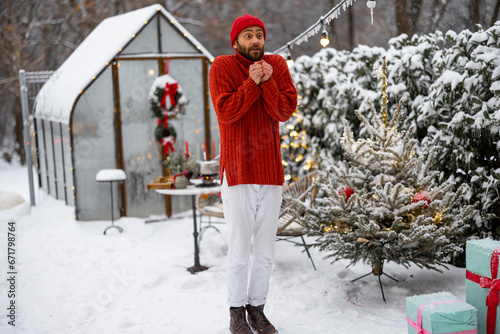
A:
{"points": [[450, 84], [462, 115]]}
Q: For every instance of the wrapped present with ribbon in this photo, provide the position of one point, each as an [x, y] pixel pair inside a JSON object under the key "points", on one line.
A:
{"points": [[482, 283], [440, 313]]}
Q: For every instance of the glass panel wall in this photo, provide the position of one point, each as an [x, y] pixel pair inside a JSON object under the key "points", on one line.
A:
{"points": [[94, 149], [68, 164], [58, 159], [146, 41], [51, 189], [172, 41], [190, 126], [142, 155], [42, 154]]}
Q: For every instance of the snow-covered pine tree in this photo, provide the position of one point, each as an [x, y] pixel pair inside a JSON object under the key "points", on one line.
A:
{"points": [[382, 203]]}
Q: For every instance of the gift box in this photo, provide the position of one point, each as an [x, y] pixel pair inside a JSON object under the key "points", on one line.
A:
{"points": [[481, 284], [440, 313]]}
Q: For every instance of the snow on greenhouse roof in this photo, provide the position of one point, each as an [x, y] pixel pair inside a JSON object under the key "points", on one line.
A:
{"points": [[57, 97]]}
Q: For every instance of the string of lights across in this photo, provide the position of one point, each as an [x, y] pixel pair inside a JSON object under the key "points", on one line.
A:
{"points": [[315, 28]]}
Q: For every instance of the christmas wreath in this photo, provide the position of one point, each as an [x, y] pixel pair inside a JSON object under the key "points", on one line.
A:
{"points": [[166, 100]]}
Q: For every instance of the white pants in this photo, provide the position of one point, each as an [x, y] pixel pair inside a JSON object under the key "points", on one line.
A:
{"points": [[250, 211]]}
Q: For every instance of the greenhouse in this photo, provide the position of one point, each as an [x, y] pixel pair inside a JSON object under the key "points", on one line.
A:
{"points": [[94, 114]]}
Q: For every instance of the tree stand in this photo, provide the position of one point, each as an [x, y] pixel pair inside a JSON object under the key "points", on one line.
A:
{"points": [[378, 271]]}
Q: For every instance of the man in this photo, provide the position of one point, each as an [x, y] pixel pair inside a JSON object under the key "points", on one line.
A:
{"points": [[251, 93]]}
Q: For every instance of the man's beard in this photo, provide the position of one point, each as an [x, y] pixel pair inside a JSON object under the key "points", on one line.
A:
{"points": [[246, 52]]}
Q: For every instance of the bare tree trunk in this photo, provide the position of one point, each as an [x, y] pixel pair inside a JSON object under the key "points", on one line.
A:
{"points": [[474, 13], [401, 17], [442, 11], [495, 17], [334, 40], [18, 132], [415, 8], [350, 15]]}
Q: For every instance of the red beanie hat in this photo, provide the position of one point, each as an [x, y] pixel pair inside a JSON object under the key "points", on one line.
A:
{"points": [[243, 22]]}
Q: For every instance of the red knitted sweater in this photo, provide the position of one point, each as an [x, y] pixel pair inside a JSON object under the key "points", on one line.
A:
{"points": [[249, 116]]}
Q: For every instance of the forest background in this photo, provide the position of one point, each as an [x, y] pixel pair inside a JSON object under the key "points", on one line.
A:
{"points": [[40, 35]]}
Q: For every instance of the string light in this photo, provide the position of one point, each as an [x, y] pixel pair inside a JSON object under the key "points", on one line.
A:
{"points": [[324, 38], [289, 59], [385, 100], [438, 217], [332, 14], [382, 73]]}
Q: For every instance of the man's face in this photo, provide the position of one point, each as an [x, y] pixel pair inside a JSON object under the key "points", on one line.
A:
{"points": [[250, 43]]}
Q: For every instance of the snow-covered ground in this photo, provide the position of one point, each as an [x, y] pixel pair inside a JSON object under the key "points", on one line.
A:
{"points": [[73, 279]]}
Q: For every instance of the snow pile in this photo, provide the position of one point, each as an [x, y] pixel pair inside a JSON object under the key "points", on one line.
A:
{"points": [[110, 175], [12, 205], [73, 279], [9, 200]]}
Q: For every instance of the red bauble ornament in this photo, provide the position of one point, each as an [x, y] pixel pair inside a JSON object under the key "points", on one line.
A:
{"points": [[348, 192], [422, 196]]}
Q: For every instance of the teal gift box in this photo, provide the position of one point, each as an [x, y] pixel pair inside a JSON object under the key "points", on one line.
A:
{"points": [[478, 255], [441, 313]]}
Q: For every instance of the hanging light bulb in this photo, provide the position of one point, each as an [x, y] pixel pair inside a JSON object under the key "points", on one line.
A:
{"points": [[324, 38], [289, 59], [371, 5]]}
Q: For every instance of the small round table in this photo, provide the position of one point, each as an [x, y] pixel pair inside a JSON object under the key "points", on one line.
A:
{"points": [[111, 175], [193, 190]]}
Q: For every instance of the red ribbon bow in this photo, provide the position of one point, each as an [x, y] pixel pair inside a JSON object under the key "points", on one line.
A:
{"points": [[493, 299], [164, 121], [168, 144], [170, 91]]}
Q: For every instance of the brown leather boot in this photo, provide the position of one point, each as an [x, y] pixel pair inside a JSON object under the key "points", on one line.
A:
{"points": [[258, 320], [238, 324]]}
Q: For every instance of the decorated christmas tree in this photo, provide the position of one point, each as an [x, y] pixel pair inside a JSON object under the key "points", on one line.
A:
{"points": [[383, 203], [294, 147]]}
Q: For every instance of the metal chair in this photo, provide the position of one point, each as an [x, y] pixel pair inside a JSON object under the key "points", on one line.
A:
{"points": [[289, 226]]}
